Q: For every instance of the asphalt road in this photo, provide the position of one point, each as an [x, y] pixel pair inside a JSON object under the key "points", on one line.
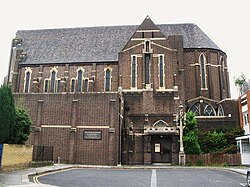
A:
{"points": [[143, 177]]}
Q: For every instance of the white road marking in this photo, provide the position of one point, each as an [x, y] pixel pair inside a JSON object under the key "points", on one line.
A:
{"points": [[153, 179], [243, 184]]}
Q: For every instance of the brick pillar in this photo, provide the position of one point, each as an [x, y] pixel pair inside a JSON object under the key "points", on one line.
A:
{"points": [[113, 151], [72, 137], [37, 130]]}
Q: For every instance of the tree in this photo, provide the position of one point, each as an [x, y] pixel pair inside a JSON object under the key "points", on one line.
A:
{"points": [[22, 127], [239, 83], [7, 113], [190, 138], [15, 124]]}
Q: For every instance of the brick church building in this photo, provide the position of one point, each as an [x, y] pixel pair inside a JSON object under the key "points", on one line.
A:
{"points": [[109, 95]]}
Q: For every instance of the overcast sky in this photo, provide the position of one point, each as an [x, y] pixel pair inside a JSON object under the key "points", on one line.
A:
{"points": [[227, 23]]}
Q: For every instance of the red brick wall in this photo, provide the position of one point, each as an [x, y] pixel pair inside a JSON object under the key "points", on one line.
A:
{"points": [[96, 112]]}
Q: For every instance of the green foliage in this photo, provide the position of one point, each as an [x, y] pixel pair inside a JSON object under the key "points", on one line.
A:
{"points": [[190, 139], [191, 144], [15, 124], [199, 163], [222, 140], [7, 113], [22, 127], [191, 123]]}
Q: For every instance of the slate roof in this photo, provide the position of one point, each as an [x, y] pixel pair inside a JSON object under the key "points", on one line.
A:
{"points": [[96, 44]]}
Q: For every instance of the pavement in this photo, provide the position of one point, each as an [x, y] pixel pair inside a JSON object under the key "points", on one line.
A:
{"points": [[20, 178]]}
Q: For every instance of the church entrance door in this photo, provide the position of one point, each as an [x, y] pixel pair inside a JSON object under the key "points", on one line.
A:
{"points": [[161, 149]]}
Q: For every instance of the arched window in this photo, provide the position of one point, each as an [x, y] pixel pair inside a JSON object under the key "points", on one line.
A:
{"points": [[203, 71], [73, 82], [58, 86], [220, 111], [161, 71], [202, 109], [195, 109], [79, 81], [133, 82], [27, 82], [53, 80], [46, 86], [107, 80], [222, 63], [86, 85], [208, 111], [147, 46], [147, 69]]}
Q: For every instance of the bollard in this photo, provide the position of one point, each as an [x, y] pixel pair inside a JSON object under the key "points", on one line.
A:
{"points": [[59, 161]]}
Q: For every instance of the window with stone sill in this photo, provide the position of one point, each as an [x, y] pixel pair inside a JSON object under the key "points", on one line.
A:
{"points": [[133, 69], [73, 82], [202, 61], [27, 82], [86, 85], [107, 80]]}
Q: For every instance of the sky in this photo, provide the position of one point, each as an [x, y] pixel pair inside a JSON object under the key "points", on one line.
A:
{"points": [[225, 22]]}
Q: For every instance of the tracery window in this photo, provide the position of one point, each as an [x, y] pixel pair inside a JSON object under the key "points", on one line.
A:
{"points": [[220, 111], [133, 69], [209, 111], [203, 71], [27, 82], [202, 109], [107, 80], [161, 71], [195, 109]]}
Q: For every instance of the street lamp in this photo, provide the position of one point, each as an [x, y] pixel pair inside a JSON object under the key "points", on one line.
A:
{"points": [[181, 118]]}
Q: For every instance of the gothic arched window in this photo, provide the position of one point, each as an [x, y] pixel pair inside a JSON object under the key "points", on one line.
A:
{"points": [[27, 82], [220, 111], [133, 69], [203, 71], [53, 81], [208, 111], [147, 46], [195, 109], [202, 109], [222, 63], [79, 81], [147, 69], [107, 80], [86, 85], [161, 71], [46, 86], [73, 82]]}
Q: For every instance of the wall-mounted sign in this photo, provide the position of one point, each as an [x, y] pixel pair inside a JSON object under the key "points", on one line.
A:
{"points": [[92, 135], [157, 148]]}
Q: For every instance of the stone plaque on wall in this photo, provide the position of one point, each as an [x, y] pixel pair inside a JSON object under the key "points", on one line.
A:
{"points": [[92, 135]]}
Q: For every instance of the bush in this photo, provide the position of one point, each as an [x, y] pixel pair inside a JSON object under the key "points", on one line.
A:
{"points": [[191, 144], [199, 163]]}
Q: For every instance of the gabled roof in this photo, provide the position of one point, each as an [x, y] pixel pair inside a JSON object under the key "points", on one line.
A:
{"points": [[96, 44]]}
